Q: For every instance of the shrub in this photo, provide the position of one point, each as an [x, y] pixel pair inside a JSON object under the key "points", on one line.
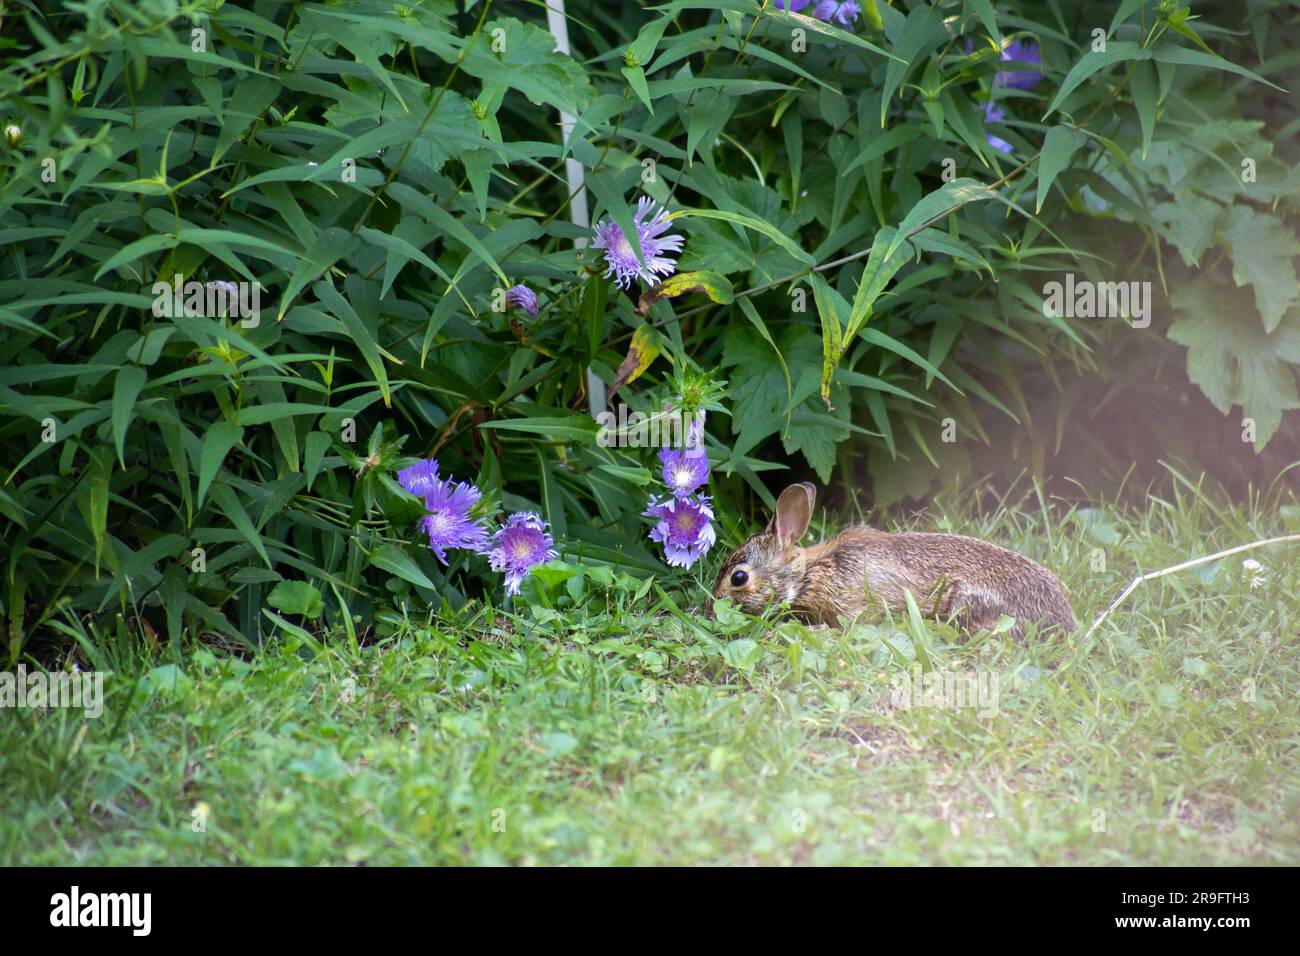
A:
{"points": [[862, 271]]}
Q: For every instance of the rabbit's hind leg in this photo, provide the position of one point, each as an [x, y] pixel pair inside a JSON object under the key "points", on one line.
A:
{"points": [[977, 608]]}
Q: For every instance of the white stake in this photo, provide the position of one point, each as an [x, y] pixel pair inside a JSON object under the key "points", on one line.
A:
{"points": [[577, 177]]}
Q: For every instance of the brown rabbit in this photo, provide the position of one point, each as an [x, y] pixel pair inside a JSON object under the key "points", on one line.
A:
{"points": [[948, 574]]}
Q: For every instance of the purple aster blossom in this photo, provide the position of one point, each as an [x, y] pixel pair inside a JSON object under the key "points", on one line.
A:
{"points": [[621, 257], [695, 431], [448, 523], [684, 471], [521, 297], [995, 114], [685, 528], [841, 14], [694, 438], [419, 479], [793, 6], [519, 545], [1024, 52]]}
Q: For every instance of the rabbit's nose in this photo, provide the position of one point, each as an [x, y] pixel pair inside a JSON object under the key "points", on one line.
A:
{"points": [[708, 610]]}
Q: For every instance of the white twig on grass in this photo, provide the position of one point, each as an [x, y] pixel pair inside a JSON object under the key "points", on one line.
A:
{"points": [[1183, 567]]}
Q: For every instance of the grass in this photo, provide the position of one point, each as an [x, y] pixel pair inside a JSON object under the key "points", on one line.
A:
{"points": [[596, 726]]}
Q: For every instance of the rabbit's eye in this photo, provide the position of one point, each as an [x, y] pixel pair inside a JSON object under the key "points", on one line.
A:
{"points": [[738, 579]]}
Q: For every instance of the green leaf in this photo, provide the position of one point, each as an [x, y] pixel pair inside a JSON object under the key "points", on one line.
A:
{"points": [[574, 428], [130, 380], [264, 412], [636, 79], [399, 253], [749, 222], [1061, 143], [422, 205], [362, 44], [751, 313], [296, 597], [1117, 51], [314, 455], [887, 256], [932, 240], [220, 438], [827, 30], [742, 653], [922, 32], [523, 56], [888, 141], [647, 39], [1232, 358], [148, 347], [948, 198], [1185, 57], [101, 470], [827, 302], [817, 435], [136, 250], [792, 136], [984, 10], [1263, 250], [394, 560], [877, 337], [1143, 86], [1190, 224], [705, 121], [917, 629], [359, 333], [233, 508], [174, 598], [330, 246], [760, 391]]}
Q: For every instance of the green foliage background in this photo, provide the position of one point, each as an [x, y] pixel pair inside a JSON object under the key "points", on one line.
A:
{"points": [[808, 178]]}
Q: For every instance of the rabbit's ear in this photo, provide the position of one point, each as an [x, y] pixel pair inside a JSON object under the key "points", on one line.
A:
{"points": [[793, 512], [809, 487]]}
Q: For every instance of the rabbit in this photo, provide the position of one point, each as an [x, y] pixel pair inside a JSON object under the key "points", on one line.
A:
{"points": [[973, 581]]}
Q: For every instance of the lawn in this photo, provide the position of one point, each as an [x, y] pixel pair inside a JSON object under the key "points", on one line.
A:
{"points": [[607, 722]]}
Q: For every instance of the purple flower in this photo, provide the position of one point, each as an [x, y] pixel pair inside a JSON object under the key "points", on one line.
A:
{"points": [[420, 477], [684, 471], [995, 114], [794, 6], [448, 523], [842, 14], [521, 297], [620, 256], [520, 544], [694, 428], [695, 431], [1020, 51], [685, 528]]}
